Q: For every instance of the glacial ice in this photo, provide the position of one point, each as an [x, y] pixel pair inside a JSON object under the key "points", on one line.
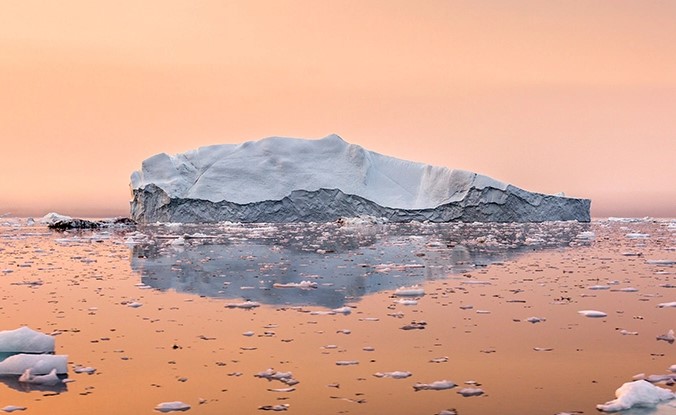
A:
{"points": [[437, 385], [49, 379], [172, 406], [39, 364], [25, 340], [639, 393], [287, 180]]}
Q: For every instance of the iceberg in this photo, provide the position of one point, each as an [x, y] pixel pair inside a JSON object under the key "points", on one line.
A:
{"points": [[38, 364], [25, 340], [639, 393], [295, 180]]}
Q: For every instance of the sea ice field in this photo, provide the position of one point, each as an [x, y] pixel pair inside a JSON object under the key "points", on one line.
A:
{"points": [[350, 317]]}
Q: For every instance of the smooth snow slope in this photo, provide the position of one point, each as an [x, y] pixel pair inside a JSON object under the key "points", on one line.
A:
{"points": [[272, 168]]}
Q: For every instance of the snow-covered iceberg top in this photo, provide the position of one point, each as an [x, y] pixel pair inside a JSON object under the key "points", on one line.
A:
{"points": [[272, 168]]}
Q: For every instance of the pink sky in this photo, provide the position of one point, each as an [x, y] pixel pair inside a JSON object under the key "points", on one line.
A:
{"points": [[573, 96]]}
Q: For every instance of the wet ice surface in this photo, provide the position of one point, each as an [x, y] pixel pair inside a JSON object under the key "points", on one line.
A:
{"points": [[345, 319]]}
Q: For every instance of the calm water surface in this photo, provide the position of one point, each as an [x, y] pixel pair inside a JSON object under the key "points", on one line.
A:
{"points": [[185, 340]]}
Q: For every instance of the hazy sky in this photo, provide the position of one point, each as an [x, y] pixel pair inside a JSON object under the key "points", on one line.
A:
{"points": [[573, 96]]}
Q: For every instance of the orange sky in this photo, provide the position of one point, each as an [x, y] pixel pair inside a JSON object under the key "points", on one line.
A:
{"points": [[573, 96]]}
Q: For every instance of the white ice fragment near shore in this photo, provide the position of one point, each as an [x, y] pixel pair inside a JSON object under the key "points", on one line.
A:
{"points": [[342, 310], [247, 305], [347, 362], [25, 340], [599, 287], [593, 313], [39, 364], [304, 285], [667, 305], [12, 408], [437, 385], [413, 291], [49, 379], [172, 406], [535, 319], [53, 217], [467, 392], [393, 375], [639, 393], [668, 337]]}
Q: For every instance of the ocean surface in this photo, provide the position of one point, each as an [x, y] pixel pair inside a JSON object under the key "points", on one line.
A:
{"points": [[343, 318]]}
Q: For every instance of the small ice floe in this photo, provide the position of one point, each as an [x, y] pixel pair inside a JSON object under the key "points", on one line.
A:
{"points": [[625, 290], [282, 390], [415, 325], [668, 337], [303, 285], [347, 362], [637, 235], [134, 304], [84, 369], [247, 305], [482, 312], [248, 333], [466, 307], [442, 359], [393, 375], [276, 408], [49, 379], [669, 379], [599, 287], [467, 392], [284, 377], [638, 393], [476, 282], [342, 310], [585, 236], [672, 368], [344, 331], [172, 406], [667, 305], [628, 333], [407, 301], [413, 291], [535, 319], [25, 340], [661, 262], [592, 313], [448, 412], [543, 349], [12, 408], [437, 385]]}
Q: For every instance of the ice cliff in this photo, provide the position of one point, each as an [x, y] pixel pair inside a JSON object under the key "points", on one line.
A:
{"points": [[286, 180]]}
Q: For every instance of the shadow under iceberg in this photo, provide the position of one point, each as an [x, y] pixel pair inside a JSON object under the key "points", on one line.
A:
{"points": [[346, 260]]}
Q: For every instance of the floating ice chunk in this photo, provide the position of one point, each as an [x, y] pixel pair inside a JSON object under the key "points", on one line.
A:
{"points": [[599, 287], [592, 313], [247, 305], [543, 349], [393, 375], [172, 406], [535, 319], [284, 377], [40, 364], [304, 285], [12, 408], [637, 235], [637, 393], [134, 304], [50, 379], [442, 359], [672, 368], [667, 305], [347, 362], [248, 333], [466, 392], [626, 290], [586, 235], [628, 333], [668, 337], [406, 301], [84, 369], [437, 385], [662, 262], [476, 282], [413, 291], [282, 390], [342, 310], [25, 340], [276, 408], [53, 217]]}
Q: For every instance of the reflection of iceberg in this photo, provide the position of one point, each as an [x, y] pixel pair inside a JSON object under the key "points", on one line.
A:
{"points": [[246, 261]]}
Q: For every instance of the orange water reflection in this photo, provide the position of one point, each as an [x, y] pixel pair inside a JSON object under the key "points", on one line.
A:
{"points": [[181, 346]]}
